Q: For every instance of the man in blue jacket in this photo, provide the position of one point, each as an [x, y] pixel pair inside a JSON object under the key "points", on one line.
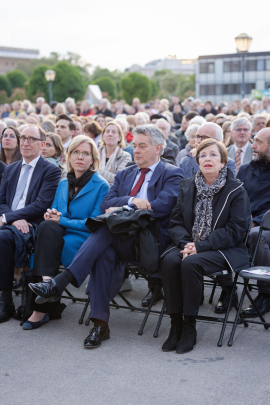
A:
{"points": [[255, 176], [27, 190], [206, 130], [150, 184]]}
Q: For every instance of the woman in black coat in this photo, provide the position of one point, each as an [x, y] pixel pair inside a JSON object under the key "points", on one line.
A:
{"points": [[207, 227]]}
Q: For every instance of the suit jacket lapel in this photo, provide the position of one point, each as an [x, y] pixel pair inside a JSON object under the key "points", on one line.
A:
{"points": [[35, 176], [155, 176], [128, 183], [14, 181], [248, 154], [86, 189], [189, 191]]}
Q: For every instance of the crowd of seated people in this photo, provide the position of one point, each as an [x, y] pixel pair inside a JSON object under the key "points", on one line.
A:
{"points": [[202, 170]]}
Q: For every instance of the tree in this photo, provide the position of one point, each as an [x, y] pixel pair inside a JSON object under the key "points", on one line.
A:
{"points": [[18, 94], [38, 82], [3, 97], [135, 85], [100, 72], [17, 79], [5, 84], [169, 82], [154, 88], [177, 84], [107, 85], [158, 75], [68, 82]]}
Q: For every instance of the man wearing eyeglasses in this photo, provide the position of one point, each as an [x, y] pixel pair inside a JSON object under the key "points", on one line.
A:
{"points": [[26, 192], [206, 130], [241, 152]]}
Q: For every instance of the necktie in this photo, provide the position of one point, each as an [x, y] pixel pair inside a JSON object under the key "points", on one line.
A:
{"points": [[238, 159], [139, 183], [20, 187]]}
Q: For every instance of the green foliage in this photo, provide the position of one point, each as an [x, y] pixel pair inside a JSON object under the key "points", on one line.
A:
{"points": [[5, 84], [38, 83], [154, 88], [3, 97], [68, 82], [107, 85], [115, 75], [18, 94], [177, 84], [158, 75], [17, 79], [135, 85], [100, 72]]}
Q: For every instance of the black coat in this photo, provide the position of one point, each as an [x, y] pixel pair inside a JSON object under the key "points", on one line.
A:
{"points": [[2, 168], [204, 112], [255, 177], [173, 146], [231, 219]]}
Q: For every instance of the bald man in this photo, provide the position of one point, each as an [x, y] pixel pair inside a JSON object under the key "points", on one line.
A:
{"points": [[255, 176]]}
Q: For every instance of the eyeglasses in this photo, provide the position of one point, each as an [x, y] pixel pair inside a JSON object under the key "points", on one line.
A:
{"points": [[212, 155], [76, 153], [202, 137], [8, 136], [29, 139], [241, 130]]}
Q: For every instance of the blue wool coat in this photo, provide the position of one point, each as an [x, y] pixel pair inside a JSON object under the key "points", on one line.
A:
{"points": [[85, 204]]}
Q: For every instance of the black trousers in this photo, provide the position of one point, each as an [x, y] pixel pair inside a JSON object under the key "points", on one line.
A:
{"points": [[183, 279], [262, 257], [7, 250], [47, 259]]}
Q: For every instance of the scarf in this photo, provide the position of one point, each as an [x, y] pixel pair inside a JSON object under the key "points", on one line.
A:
{"points": [[56, 161], [204, 211], [79, 182]]}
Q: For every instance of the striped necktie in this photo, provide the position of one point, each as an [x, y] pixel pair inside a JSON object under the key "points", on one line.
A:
{"points": [[238, 159], [20, 187]]}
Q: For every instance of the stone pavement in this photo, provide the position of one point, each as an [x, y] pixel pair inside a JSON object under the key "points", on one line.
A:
{"points": [[49, 366]]}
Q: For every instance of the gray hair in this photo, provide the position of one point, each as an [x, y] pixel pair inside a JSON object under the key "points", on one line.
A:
{"points": [[123, 121], [48, 126], [197, 120], [155, 134], [164, 122], [258, 116], [217, 128], [239, 122], [191, 129], [10, 122]]}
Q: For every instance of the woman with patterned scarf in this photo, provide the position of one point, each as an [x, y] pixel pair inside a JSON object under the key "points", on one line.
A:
{"points": [[207, 227]]}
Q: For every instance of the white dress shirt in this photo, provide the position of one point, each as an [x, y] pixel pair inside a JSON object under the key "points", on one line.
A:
{"points": [[142, 193], [66, 145], [243, 149], [23, 198]]}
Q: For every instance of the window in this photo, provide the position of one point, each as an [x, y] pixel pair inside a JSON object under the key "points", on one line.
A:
{"points": [[267, 64], [227, 89], [251, 65], [260, 64], [207, 67], [203, 90], [211, 90], [249, 87], [218, 89], [267, 85], [236, 66], [236, 89], [226, 66]]}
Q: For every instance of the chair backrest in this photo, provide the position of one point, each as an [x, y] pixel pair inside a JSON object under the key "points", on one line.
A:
{"points": [[248, 230], [266, 221]]}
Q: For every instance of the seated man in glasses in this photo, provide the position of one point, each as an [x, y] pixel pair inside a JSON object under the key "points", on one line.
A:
{"points": [[206, 130], [190, 167], [27, 190]]}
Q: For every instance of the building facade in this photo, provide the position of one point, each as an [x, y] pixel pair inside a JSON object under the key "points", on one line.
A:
{"points": [[219, 77], [10, 57]]}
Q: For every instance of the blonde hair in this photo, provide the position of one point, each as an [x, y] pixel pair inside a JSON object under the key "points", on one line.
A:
{"points": [[121, 141], [94, 150]]}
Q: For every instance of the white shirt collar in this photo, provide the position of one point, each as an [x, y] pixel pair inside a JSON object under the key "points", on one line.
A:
{"points": [[66, 145], [152, 168], [32, 163], [243, 149]]}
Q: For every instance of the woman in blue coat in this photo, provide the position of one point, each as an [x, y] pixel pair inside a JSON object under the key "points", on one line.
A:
{"points": [[63, 232]]}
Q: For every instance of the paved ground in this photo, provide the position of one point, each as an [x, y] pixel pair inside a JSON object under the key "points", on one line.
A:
{"points": [[50, 366]]}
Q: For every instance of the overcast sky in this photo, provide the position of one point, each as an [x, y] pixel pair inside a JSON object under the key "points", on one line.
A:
{"points": [[116, 34]]}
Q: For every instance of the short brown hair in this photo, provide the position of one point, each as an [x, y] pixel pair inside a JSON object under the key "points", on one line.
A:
{"points": [[93, 127], [209, 142], [71, 123]]}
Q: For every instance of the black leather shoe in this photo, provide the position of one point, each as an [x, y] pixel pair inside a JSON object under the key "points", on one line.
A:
{"points": [[17, 284], [6, 311], [148, 297], [223, 302], [96, 336], [187, 340], [46, 291], [262, 302], [173, 339]]}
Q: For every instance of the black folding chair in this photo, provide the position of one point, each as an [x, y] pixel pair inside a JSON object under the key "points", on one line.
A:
{"points": [[248, 275]]}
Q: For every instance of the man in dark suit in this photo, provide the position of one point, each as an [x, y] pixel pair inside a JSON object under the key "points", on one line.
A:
{"points": [[26, 192], [150, 184], [2, 168], [165, 127], [241, 151]]}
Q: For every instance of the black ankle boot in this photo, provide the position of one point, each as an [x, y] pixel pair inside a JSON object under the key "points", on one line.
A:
{"points": [[174, 335], [188, 336]]}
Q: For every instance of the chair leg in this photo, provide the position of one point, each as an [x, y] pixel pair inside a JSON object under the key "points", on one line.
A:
{"points": [[84, 311], [148, 311], [227, 313], [230, 342], [256, 309], [70, 295], [159, 320], [213, 292]]}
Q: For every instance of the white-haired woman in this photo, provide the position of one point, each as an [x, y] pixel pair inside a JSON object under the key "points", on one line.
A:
{"points": [[63, 232], [112, 154], [190, 135]]}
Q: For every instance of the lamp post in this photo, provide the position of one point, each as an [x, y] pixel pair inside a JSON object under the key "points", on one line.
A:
{"points": [[243, 42], [50, 75]]}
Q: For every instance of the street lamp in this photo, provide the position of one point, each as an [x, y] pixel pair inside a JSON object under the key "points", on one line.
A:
{"points": [[243, 42], [50, 75]]}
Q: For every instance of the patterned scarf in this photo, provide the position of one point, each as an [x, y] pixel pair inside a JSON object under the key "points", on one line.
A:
{"points": [[204, 210]]}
